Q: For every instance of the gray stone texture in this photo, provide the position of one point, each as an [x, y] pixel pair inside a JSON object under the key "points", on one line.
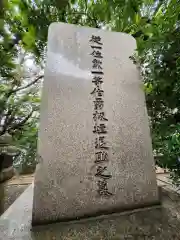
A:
{"points": [[6, 174], [10, 194], [160, 223], [65, 182]]}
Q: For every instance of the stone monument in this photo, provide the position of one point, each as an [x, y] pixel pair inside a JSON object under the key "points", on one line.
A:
{"points": [[95, 153]]}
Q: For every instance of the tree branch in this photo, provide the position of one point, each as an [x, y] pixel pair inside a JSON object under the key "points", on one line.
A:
{"points": [[3, 102], [20, 124], [8, 120], [28, 85]]}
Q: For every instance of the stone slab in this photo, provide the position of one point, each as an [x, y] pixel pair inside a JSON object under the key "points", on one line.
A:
{"points": [[10, 194], [66, 182], [160, 223], [15, 223]]}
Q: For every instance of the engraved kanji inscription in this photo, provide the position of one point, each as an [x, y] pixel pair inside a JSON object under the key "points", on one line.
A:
{"points": [[97, 80], [98, 91], [98, 104], [97, 64], [101, 156], [100, 129], [97, 54], [99, 116], [96, 47], [96, 39], [102, 188], [100, 143], [97, 72], [102, 172]]}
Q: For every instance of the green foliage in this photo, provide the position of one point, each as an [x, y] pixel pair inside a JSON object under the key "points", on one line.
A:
{"points": [[19, 95], [160, 63], [25, 162]]}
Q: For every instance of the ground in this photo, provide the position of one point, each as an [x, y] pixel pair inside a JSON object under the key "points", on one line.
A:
{"points": [[13, 189]]}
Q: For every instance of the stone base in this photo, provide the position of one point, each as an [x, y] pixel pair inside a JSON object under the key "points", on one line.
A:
{"points": [[149, 223]]}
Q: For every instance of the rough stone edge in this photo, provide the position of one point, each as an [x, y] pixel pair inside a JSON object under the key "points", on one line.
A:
{"points": [[171, 193], [105, 214], [96, 218]]}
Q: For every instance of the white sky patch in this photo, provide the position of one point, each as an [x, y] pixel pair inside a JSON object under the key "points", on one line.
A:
{"points": [[58, 64]]}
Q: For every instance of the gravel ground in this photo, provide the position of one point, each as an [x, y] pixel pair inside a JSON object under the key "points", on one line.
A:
{"points": [[11, 193], [12, 189]]}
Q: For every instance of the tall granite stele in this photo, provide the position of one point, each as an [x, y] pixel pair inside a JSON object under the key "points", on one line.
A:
{"points": [[95, 153]]}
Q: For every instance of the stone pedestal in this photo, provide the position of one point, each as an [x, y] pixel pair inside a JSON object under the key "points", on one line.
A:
{"points": [[157, 223]]}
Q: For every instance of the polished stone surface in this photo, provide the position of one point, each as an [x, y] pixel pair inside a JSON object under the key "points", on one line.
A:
{"points": [[65, 182], [155, 223]]}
